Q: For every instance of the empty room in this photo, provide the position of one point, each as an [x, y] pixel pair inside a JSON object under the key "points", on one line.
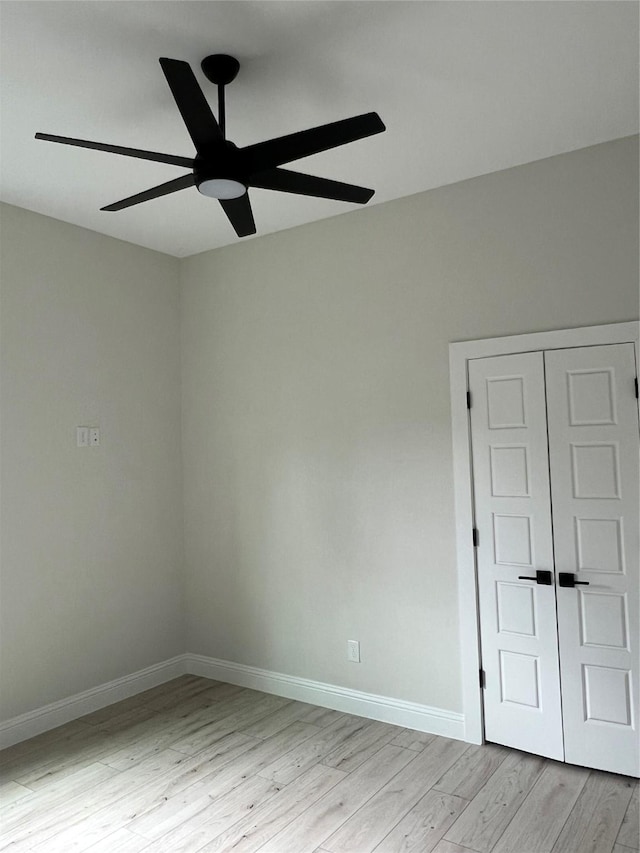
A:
{"points": [[319, 426]]}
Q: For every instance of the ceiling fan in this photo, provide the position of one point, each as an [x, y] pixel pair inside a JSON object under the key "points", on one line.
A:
{"points": [[222, 170]]}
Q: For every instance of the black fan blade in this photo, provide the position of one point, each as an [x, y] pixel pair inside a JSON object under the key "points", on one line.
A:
{"points": [[118, 149], [296, 182], [201, 124], [155, 192], [275, 152], [240, 215]]}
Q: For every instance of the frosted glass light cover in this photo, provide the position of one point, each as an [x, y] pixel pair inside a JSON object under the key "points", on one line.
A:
{"points": [[222, 188]]}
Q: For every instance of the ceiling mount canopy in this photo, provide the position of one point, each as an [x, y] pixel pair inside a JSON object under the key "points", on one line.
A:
{"points": [[220, 68], [223, 171]]}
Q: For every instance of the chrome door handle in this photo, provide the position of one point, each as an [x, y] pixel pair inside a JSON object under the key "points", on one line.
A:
{"points": [[542, 577], [568, 579]]}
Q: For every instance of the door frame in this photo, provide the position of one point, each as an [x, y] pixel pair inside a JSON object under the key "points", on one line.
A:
{"points": [[460, 353]]}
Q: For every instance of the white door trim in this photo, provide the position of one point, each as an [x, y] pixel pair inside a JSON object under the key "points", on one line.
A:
{"points": [[459, 355]]}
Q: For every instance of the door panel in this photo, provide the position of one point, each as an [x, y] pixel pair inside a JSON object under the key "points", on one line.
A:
{"points": [[513, 514], [593, 451]]}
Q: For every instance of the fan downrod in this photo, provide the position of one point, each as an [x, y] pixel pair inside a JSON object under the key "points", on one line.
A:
{"points": [[220, 68]]}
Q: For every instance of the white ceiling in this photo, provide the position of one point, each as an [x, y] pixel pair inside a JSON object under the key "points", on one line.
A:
{"points": [[465, 88]]}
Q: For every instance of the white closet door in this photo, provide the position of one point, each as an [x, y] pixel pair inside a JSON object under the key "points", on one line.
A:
{"points": [[513, 515], [593, 443]]}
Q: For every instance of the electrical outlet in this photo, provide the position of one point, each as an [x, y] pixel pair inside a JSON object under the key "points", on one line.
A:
{"points": [[353, 651], [94, 436]]}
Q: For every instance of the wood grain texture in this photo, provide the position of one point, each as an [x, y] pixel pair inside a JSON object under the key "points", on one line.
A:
{"points": [[412, 740], [288, 767], [395, 799], [596, 818], [68, 820], [331, 811], [121, 841], [553, 796], [629, 834], [360, 746], [11, 791], [469, 774], [180, 689], [423, 827], [209, 815], [251, 833], [449, 847], [197, 766], [171, 806], [279, 719], [41, 816], [206, 727], [321, 717], [489, 814], [47, 741], [53, 760]]}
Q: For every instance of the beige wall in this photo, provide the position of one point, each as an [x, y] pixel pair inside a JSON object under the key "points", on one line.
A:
{"points": [[91, 538], [316, 423], [316, 443]]}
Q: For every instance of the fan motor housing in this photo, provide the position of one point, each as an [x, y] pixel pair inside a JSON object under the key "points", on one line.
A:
{"points": [[218, 177]]}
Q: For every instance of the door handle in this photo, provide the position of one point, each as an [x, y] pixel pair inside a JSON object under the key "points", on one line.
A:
{"points": [[568, 579], [542, 577]]}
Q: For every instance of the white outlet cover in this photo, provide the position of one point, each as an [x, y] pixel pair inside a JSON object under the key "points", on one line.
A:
{"points": [[94, 436], [353, 651], [82, 436]]}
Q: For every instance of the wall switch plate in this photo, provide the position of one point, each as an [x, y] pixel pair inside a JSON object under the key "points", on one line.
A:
{"points": [[82, 436], [94, 436], [353, 651]]}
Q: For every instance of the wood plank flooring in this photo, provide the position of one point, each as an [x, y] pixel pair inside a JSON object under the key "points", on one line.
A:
{"points": [[196, 766]]}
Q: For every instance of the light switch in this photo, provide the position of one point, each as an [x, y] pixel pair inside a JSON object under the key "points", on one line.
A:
{"points": [[82, 436]]}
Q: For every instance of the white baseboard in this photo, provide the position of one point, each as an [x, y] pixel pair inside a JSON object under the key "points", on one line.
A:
{"points": [[396, 711], [50, 716], [422, 718]]}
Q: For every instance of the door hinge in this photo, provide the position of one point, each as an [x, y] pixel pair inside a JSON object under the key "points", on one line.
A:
{"points": [[483, 679], [636, 384], [468, 399], [476, 537]]}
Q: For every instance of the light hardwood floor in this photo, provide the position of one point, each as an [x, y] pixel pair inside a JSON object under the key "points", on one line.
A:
{"points": [[195, 765]]}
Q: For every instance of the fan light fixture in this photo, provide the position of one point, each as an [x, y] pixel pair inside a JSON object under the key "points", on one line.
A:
{"points": [[222, 188], [218, 162]]}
